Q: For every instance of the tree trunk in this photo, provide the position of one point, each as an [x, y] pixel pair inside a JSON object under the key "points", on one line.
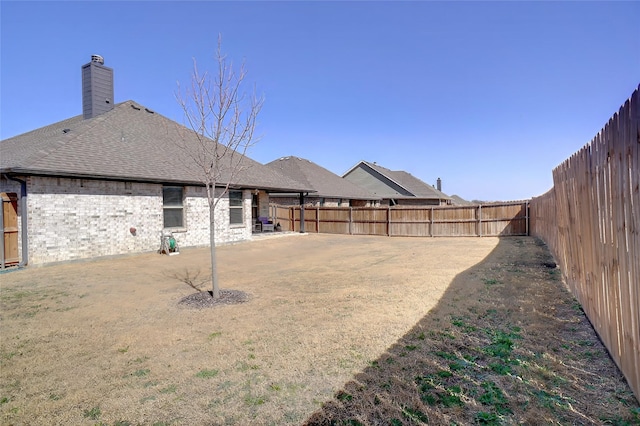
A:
{"points": [[212, 240]]}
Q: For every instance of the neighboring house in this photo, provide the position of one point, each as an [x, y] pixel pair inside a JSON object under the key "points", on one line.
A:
{"points": [[396, 188], [331, 189], [110, 181], [456, 200]]}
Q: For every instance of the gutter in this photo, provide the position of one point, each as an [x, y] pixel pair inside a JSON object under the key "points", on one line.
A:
{"points": [[22, 203], [162, 181]]}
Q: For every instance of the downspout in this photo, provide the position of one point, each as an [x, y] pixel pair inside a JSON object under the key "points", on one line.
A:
{"points": [[22, 203], [302, 212]]}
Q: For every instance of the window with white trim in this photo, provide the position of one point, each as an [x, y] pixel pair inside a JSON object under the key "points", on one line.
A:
{"points": [[173, 206], [236, 213]]}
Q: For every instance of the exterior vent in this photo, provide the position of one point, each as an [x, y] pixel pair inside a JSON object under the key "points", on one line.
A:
{"points": [[97, 58]]}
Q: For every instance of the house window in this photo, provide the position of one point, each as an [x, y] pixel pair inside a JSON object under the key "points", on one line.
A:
{"points": [[173, 207], [236, 215]]}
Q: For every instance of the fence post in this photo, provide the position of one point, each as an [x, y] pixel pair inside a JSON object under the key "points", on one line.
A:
{"points": [[389, 221], [350, 220], [479, 220], [302, 213], [317, 219], [292, 218], [431, 223], [526, 217]]}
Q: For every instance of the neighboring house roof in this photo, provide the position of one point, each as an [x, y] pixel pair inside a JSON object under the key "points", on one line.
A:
{"points": [[459, 201], [397, 183], [130, 142], [325, 183]]}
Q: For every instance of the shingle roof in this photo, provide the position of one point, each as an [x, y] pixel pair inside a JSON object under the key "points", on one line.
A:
{"points": [[326, 183], [412, 184], [130, 142], [456, 200]]}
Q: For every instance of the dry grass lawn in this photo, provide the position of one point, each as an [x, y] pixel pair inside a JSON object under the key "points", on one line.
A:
{"points": [[105, 342]]}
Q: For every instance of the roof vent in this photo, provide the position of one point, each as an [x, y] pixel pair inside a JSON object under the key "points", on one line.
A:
{"points": [[66, 130], [97, 58]]}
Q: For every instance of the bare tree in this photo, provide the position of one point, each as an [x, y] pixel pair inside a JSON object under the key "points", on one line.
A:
{"points": [[223, 118]]}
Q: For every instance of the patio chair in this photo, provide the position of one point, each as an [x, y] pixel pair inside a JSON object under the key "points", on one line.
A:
{"points": [[267, 225]]}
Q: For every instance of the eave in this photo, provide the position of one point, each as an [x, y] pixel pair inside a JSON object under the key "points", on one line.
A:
{"points": [[17, 171]]}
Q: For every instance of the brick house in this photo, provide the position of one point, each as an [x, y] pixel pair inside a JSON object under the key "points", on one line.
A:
{"points": [[331, 189], [111, 180], [396, 187]]}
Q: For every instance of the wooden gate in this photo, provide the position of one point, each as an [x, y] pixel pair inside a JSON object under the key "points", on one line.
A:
{"points": [[9, 254]]}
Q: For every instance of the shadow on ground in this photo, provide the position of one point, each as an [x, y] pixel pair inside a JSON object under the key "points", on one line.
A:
{"points": [[506, 344]]}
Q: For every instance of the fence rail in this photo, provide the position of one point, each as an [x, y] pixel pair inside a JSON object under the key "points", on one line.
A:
{"points": [[477, 220], [590, 219]]}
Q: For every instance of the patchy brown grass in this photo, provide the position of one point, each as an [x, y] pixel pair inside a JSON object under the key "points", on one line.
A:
{"points": [[106, 342], [506, 344]]}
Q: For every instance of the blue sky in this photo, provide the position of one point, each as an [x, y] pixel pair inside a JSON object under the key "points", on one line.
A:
{"points": [[488, 96]]}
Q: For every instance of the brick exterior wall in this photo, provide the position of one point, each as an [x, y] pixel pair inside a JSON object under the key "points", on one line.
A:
{"points": [[77, 219], [419, 202], [316, 201], [285, 201], [263, 204], [408, 202]]}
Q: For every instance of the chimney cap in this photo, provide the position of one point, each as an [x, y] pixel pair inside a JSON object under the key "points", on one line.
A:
{"points": [[97, 58]]}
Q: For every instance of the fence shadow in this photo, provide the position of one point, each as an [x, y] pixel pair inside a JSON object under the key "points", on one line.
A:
{"points": [[506, 342]]}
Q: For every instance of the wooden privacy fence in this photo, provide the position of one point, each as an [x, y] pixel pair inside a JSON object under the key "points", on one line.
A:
{"points": [[477, 220], [591, 221]]}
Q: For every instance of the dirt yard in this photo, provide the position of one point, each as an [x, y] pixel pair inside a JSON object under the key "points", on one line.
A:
{"points": [[337, 330]]}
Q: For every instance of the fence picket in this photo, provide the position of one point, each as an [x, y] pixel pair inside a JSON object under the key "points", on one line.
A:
{"points": [[591, 221], [498, 219]]}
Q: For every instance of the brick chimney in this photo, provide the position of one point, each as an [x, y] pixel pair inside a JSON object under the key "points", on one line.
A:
{"points": [[439, 184], [97, 88]]}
